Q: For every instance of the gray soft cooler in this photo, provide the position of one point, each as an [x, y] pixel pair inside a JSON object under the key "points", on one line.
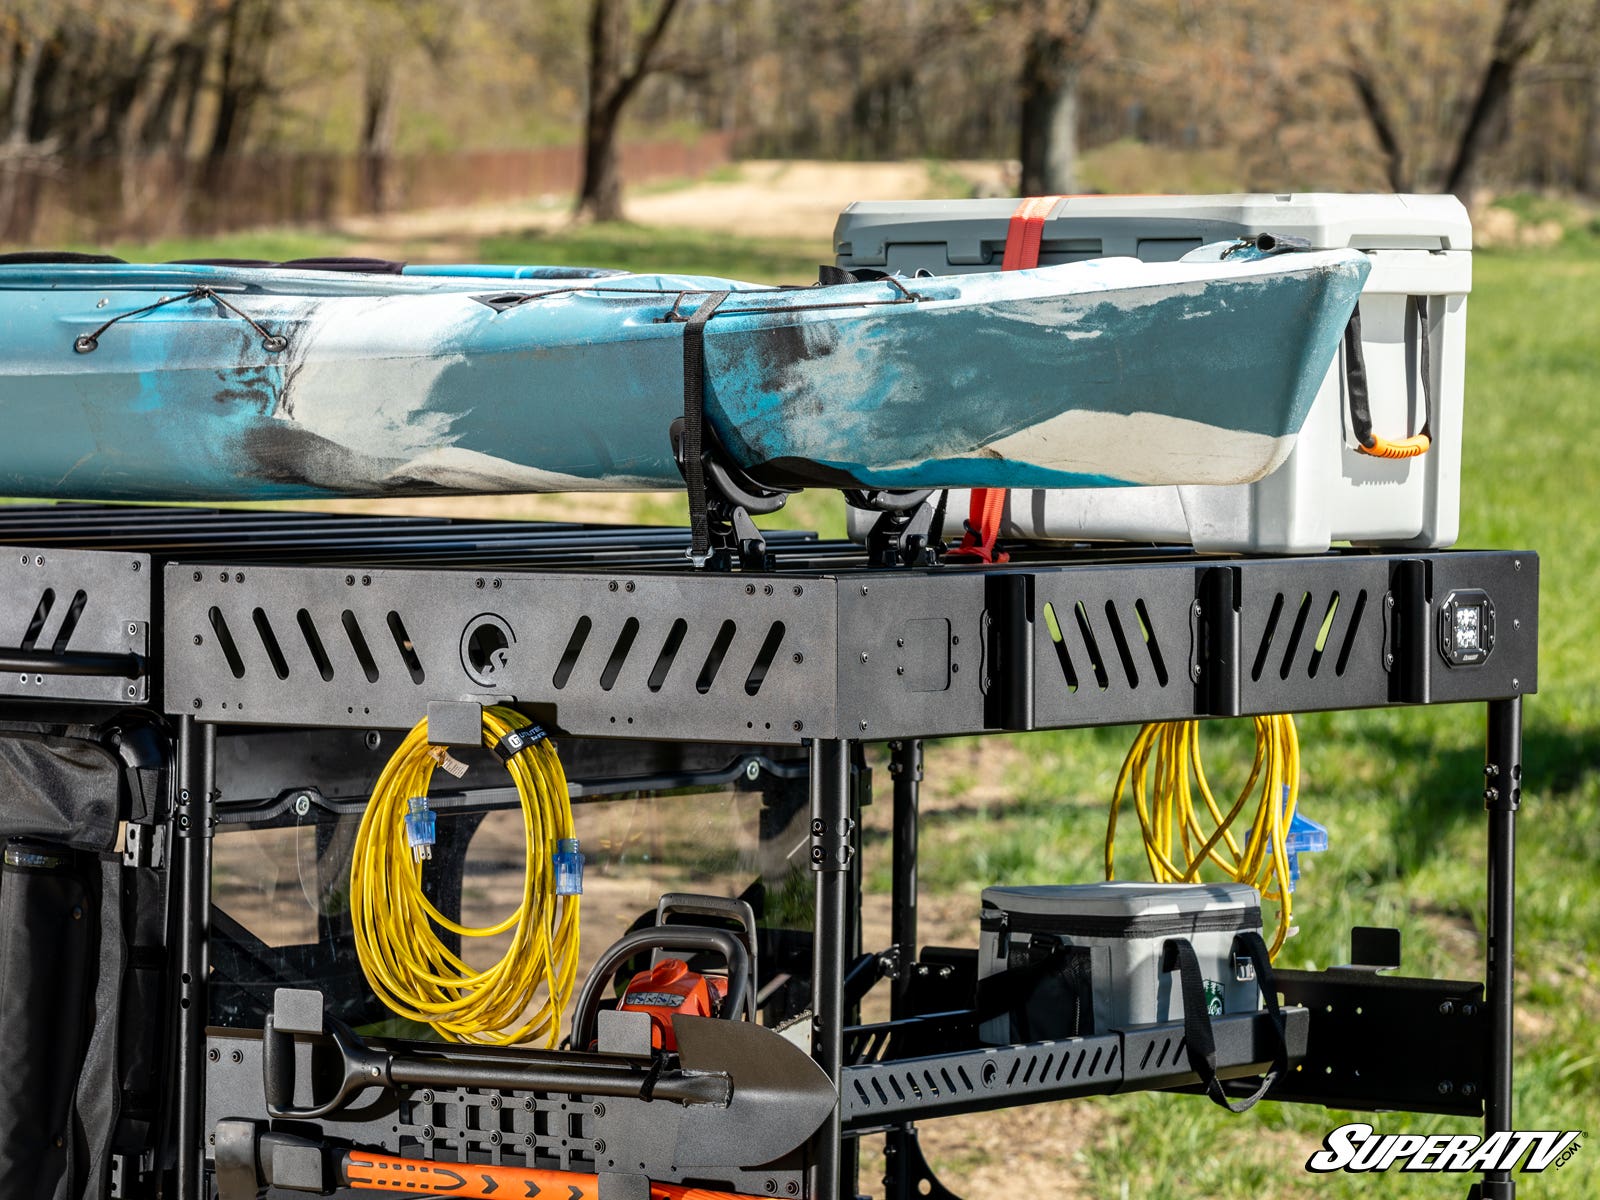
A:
{"points": [[1110, 937]]}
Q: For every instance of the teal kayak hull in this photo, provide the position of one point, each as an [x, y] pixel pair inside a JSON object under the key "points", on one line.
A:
{"points": [[247, 383]]}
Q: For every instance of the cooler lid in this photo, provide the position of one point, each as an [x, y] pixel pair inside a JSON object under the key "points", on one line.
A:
{"points": [[1153, 228], [1120, 898]]}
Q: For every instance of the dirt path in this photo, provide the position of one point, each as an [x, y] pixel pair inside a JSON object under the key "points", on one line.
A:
{"points": [[764, 198]]}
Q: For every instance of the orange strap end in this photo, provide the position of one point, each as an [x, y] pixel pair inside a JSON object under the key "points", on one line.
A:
{"points": [[1411, 447]]}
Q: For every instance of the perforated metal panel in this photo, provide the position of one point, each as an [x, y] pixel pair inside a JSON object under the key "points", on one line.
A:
{"points": [[61, 602]]}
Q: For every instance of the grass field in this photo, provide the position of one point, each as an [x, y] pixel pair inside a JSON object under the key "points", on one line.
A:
{"points": [[1398, 791]]}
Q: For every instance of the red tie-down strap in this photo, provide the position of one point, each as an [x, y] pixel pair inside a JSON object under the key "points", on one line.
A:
{"points": [[1023, 237]]}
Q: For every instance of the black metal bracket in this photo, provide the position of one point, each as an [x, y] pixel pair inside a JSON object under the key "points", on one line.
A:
{"points": [[903, 535], [1388, 1042], [907, 1174], [732, 498]]}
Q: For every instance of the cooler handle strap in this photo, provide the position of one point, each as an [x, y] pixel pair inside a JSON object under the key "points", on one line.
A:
{"points": [[1355, 373], [1199, 1041]]}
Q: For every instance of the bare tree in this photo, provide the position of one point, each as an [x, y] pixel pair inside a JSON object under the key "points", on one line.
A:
{"points": [[1054, 51], [614, 77], [1513, 40]]}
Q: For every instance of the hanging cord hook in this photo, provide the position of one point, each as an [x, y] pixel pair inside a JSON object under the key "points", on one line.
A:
{"points": [[272, 343]]}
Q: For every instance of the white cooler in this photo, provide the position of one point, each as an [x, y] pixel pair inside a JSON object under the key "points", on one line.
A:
{"points": [[1326, 491]]}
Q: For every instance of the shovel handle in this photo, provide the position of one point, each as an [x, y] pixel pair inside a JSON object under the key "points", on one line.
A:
{"points": [[366, 1170]]}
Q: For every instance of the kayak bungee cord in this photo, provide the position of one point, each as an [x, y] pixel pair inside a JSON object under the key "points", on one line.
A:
{"points": [[272, 343], [1176, 845], [397, 927]]}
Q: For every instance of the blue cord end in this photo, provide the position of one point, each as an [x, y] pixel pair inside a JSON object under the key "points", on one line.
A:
{"points": [[420, 828], [569, 868]]}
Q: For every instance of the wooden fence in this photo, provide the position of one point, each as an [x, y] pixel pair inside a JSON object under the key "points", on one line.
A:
{"points": [[44, 202]]}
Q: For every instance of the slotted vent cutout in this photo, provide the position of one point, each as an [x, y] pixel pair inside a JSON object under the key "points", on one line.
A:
{"points": [[230, 651], [358, 643], [1147, 629], [69, 623], [313, 640], [668, 655], [1356, 609], [1301, 615], [1326, 628], [41, 614], [1260, 663], [619, 653], [569, 656], [1091, 646], [269, 643], [1062, 656], [764, 659], [713, 663], [407, 648], [1124, 652]]}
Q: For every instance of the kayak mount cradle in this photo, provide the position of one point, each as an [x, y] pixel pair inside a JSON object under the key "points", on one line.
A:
{"points": [[732, 498], [907, 530]]}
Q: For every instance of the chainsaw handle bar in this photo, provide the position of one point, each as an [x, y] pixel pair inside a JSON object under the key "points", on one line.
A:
{"points": [[661, 937]]}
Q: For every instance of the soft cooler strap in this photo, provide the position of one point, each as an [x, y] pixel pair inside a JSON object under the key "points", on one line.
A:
{"points": [[1199, 1041], [694, 419], [1023, 238], [1355, 370]]}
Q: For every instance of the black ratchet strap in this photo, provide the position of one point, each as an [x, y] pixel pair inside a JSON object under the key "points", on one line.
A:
{"points": [[694, 419]]}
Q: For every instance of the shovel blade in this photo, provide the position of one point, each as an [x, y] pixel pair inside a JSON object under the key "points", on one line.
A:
{"points": [[780, 1095]]}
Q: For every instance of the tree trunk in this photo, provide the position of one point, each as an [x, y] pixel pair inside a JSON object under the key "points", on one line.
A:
{"points": [[1395, 167], [30, 53], [1052, 62], [1512, 42], [1586, 177], [611, 85], [377, 133]]}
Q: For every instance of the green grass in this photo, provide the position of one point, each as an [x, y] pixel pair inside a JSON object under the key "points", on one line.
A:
{"points": [[1398, 791], [645, 248]]}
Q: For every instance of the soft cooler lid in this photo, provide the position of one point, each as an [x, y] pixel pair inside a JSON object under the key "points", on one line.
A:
{"points": [[970, 230], [1120, 899]]}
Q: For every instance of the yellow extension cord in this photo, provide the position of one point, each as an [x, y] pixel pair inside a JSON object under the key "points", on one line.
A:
{"points": [[1180, 838], [397, 929]]}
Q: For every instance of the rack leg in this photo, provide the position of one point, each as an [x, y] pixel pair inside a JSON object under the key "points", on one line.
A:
{"points": [[192, 820], [905, 767], [833, 847], [1502, 796]]}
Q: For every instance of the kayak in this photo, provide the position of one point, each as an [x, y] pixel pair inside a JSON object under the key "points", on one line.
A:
{"points": [[260, 382]]}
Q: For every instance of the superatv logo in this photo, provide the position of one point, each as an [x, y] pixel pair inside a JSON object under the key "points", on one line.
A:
{"points": [[1356, 1147]]}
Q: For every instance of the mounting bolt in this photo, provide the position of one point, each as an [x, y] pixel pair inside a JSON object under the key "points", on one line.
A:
{"points": [[772, 1186], [133, 629], [494, 583], [214, 1054], [798, 590], [799, 725], [527, 1105], [197, 702], [863, 726], [349, 581], [899, 641], [427, 1133], [132, 691], [766, 589], [1446, 1087], [302, 804], [612, 586], [899, 670], [366, 580], [1469, 1010], [752, 770], [863, 656], [197, 576], [792, 1188], [1468, 1090], [1491, 769], [478, 583], [137, 565], [237, 1057], [1446, 1007], [863, 589], [749, 589], [39, 561], [599, 1109], [425, 1096], [494, 1134], [799, 658], [1516, 623], [629, 586]]}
